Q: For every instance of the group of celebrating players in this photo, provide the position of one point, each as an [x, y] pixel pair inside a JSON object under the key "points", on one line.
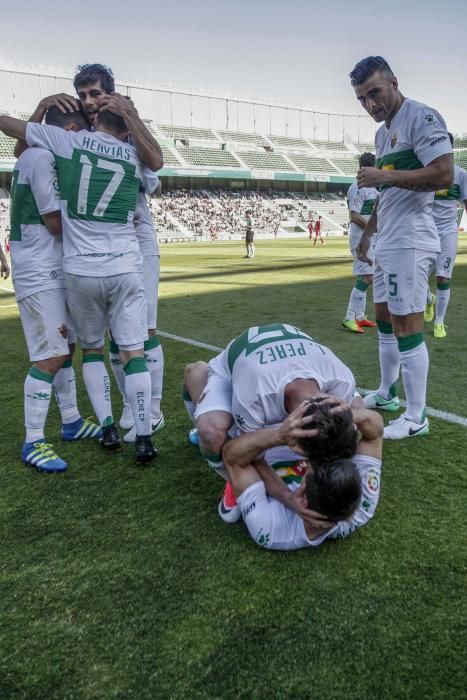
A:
{"points": [[276, 413]]}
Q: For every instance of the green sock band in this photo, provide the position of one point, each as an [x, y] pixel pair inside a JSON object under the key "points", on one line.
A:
{"points": [[410, 341], [361, 285], [185, 394], [135, 365], [152, 343], [38, 374], [107, 421], [113, 347], [384, 327], [442, 286], [95, 357], [67, 363], [211, 456], [393, 390]]}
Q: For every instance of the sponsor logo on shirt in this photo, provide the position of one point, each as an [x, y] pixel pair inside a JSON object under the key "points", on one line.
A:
{"points": [[248, 510], [262, 538], [239, 420], [440, 139], [63, 330], [429, 118]]}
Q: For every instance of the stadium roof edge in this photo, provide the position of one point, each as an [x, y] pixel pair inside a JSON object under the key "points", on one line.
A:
{"points": [[189, 92]]}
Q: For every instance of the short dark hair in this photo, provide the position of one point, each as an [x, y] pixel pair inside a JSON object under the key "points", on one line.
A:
{"points": [[334, 489], [337, 434], [365, 68], [92, 72], [55, 117], [451, 138], [367, 160], [111, 121]]}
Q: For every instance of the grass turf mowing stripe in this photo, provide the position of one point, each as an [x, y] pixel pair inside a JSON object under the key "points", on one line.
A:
{"points": [[433, 412]]}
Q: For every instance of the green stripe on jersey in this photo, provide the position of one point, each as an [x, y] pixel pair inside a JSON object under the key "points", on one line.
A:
{"points": [[254, 338], [453, 192], [23, 208], [368, 207], [400, 160], [98, 188]]}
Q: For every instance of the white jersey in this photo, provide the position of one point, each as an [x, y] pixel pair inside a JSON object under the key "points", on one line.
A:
{"points": [[445, 204], [274, 526], [36, 254], [416, 136], [264, 359], [361, 201], [99, 178], [144, 226]]}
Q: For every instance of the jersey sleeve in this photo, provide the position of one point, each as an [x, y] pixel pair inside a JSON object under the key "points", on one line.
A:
{"points": [[369, 469], [44, 184], [430, 136], [53, 138], [462, 184], [149, 180], [356, 201]]}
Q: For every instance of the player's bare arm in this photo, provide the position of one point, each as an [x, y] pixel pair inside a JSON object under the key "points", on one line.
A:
{"points": [[53, 223], [146, 145], [369, 230], [64, 102], [16, 128], [4, 267], [436, 175], [358, 219]]}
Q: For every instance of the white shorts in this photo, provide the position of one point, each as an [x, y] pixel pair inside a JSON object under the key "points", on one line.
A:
{"points": [[270, 524], [116, 302], [151, 274], [401, 279], [216, 396], [46, 324], [360, 268], [447, 257]]}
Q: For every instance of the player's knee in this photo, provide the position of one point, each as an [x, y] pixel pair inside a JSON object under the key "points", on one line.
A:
{"points": [[52, 365], [212, 433], [195, 372]]}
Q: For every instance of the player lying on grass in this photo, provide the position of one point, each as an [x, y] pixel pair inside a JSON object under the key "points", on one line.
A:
{"points": [[333, 498], [99, 178], [261, 377]]}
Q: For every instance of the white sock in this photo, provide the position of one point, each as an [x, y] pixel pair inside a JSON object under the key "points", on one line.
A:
{"points": [[414, 364], [429, 297], [154, 357], [138, 392], [64, 386], [189, 405], [37, 394], [117, 368], [357, 305], [97, 382], [389, 362], [442, 301]]}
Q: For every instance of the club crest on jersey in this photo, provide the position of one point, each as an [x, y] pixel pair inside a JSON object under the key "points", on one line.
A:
{"points": [[63, 330], [373, 482], [394, 138]]}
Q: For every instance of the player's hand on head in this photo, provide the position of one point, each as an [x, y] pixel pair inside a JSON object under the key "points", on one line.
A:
{"points": [[297, 426], [64, 102], [118, 104], [299, 505], [336, 404]]}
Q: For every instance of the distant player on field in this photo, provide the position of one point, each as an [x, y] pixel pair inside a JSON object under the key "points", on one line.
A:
{"points": [[413, 158], [38, 279], [360, 203], [311, 226], [249, 236], [445, 217], [100, 177], [318, 232]]}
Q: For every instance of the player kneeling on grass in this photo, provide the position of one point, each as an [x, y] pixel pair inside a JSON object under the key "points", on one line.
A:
{"points": [[334, 497]]}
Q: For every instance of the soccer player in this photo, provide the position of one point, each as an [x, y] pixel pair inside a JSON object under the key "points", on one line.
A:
{"points": [[95, 87], [260, 377], [311, 225], [445, 217], [318, 232], [249, 237], [100, 176], [360, 203], [413, 158], [332, 499], [36, 254]]}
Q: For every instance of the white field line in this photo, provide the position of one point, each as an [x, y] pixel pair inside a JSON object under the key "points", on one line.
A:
{"points": [[8, 306], [434, 412]]}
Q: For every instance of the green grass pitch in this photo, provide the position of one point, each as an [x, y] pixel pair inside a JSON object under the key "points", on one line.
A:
{"points": [[121, 582]]}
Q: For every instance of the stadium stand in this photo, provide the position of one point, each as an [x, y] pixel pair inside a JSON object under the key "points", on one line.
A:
{"points": [[242, 137], [347, 165], [265, 161], [460, 158], [366, 147], [187, 133], [330, 146], [290, 142], [6, 146], [460, 141], [212, 157], [309, 164]]}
